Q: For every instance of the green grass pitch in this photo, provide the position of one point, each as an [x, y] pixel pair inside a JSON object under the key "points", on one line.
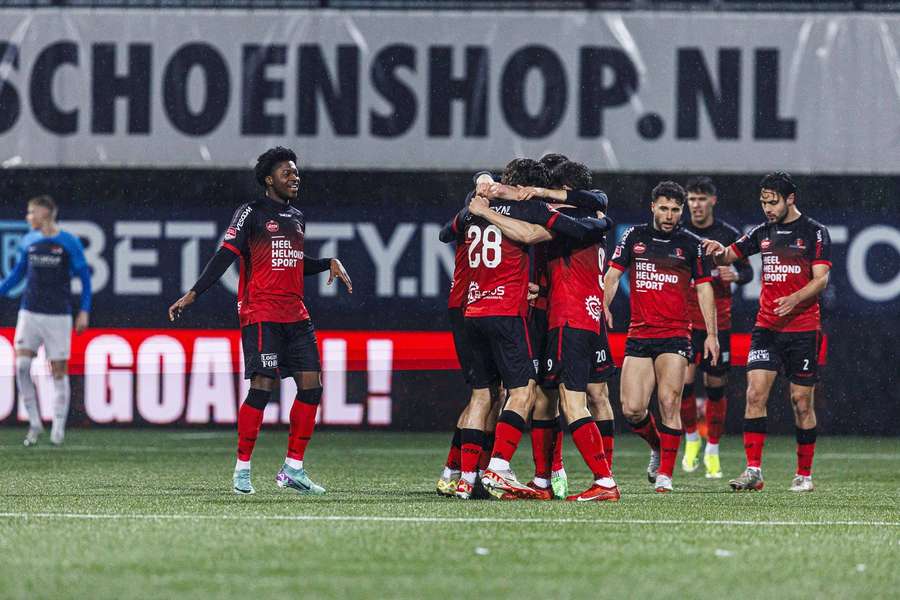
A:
{"points": [[151, 514]]}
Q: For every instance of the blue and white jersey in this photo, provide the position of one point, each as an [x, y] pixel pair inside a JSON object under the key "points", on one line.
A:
{"points": [[48, 264]]}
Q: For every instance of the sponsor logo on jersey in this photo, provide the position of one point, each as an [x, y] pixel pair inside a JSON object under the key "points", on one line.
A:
{"points": [[678, 253], [230, 233], [269, 361], [799, 244], [285, 215], [272, 226], [56, 250], [639, 248], [758, 356], [765, 244], [594, 307], [476, 293], [243, 217]]}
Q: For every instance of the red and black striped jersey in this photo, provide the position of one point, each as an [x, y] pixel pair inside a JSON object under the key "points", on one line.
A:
{"points": [[268, 237], [789, 251], [462, 273], [662, 267], [725, 234]]}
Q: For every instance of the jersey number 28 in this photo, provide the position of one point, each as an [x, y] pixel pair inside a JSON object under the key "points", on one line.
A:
{"points": [[484, 246]]}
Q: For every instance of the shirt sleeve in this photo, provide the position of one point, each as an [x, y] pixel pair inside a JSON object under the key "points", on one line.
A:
{"points": [[18, 271], [592, 200], [621, 257], [237, 234], [822, 249], [79, 268], [748, 244], [701, 266], [585, 229]]}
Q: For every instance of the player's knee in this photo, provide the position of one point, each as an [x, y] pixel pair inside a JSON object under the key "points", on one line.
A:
{"points": [[310, 396], [258, 399], [23, 366], [801, 400], [756, 396], [633, 414]]}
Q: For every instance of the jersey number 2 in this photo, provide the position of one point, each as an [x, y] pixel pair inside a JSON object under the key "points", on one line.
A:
{"points": [[484, 246]]}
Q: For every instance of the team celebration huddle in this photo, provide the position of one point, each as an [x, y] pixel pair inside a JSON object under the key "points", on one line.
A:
{"points": [[529, 310]]}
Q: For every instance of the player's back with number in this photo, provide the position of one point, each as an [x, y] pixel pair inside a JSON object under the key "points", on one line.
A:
{"points": [[499, 269]]}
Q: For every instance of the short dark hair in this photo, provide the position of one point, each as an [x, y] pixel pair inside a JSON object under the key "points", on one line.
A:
{"points": [[552, 159], [525, 171], [668, 189], [701, 185], [779, 182], [267, 161], [45, 201], [574, 175]]}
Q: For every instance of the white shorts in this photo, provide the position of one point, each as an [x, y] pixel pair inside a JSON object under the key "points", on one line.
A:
{"points": [[53, 331]]}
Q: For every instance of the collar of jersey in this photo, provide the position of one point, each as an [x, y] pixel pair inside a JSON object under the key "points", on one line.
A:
{"points": [[275, 205], [654, 232]]}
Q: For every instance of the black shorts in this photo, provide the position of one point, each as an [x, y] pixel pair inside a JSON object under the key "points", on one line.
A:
{"points": [[569, 358], [501, 351], [796, 354], [538, 326], [602, 367], [698, 336], [653, 347], [461, 342], [279, 349]]}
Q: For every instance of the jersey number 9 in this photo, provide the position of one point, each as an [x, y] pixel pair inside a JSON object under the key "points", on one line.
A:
{"points": [[484, 246]]}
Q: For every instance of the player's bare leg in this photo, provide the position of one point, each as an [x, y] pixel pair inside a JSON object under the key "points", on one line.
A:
{"points": [[544, 424], [589, 442], [499, 478], [692, 443], [250, 417], [759, 384], [716, 408], [28, 394], [601, 411], [670, 368], [446, 484], [303, 420], [62, 394], [472, 440], [637, 383], [802, 401]]}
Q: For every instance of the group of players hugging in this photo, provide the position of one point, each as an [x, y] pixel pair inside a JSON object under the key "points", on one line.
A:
{"points": [[529, 311]]}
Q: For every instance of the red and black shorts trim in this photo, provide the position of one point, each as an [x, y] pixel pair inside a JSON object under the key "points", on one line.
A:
{"points": [[654, 347], [279, 349], [538, 326], [461, 342], [602, 367], [698, 337], [501, 351], [795, 353], [568, 358]]}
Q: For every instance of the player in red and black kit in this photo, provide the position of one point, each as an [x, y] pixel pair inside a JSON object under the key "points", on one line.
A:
{"points": [[701, 200], [796, 261], [663, 259], [496, 309], [267, 235]]}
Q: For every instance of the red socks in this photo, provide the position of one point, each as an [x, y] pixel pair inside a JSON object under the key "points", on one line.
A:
{"points": [[303, 420], [250, 418], [470, 449], [716, 408], [608, 433], [590, 444], [453, 456], [507, 435], [669, 442], [487, 445], [688, 409], [806, 448], [646, 428], [754, 440], [542, 446]]}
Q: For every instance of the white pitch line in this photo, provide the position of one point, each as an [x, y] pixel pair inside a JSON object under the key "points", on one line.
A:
{"points": [[379, 519]]}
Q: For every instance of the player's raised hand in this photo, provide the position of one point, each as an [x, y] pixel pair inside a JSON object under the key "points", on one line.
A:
{"points": [[337, 270], [181, 304], [478, 205], [82, 321], [711, 349], [785, 305], [712, 247]]}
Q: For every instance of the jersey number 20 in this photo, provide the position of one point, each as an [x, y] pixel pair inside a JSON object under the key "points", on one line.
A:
{"points": [[484, 246]]}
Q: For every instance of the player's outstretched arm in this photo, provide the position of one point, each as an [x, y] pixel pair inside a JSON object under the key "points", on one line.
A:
{"points": [[585, 229], [593, 200], [514, 229], [707, 300], [212, 272], [786, 304], [720, 255]]}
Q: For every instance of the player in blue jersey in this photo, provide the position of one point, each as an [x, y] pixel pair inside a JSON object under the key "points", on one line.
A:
{"points": [[47, 259]]}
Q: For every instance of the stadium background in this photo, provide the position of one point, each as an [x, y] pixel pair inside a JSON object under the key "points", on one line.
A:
{"points": [[150, 181]]}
